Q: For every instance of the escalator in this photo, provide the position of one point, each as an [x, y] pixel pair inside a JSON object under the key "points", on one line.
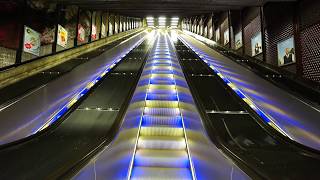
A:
{"points": [[161, 150], [239, 131], [89, 125], [162, 136]]}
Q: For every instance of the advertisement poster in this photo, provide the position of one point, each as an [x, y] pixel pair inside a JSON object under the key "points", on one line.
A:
{"points": [[31, 41], [81, 33], [238, 40], [226, 37], [218, 35], [286, 53], [256, 44], [62, 36], [103, 30], [94, 32], [210, 32], [110, 29], [206, 31]]}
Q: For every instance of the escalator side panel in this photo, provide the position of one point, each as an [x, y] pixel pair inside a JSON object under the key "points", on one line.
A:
{"points": [[284, 110], [32, 113]]}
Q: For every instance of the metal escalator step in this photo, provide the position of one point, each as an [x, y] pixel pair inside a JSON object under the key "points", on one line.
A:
{"points": [[161, 120], [161, 142], [158, 86], [158, 173], [161, 131], [171, 97], [162, 91], [162, 82], [162, 104], [155, 76], [162, 68], [158, 64], [162, 111], [161, 158], [162, 71]]}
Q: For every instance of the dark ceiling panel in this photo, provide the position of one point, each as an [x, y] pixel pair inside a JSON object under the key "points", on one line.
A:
{"points": [[142, 8]]}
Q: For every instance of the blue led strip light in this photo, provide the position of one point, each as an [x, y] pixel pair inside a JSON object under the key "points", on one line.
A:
{"points": [[61, 111], [253, 106]]}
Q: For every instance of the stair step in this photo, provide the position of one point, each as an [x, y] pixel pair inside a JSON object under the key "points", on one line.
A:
{"points": [[162, 111], [162, 71], [161, 131], [171, 97], [158, 173], [162, 104], [162, 82], [161, 142], [161, 120], [158, 86], [155, 76], [161, 158], [162, 91]]}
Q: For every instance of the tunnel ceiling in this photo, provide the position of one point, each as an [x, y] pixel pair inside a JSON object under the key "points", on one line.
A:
{"points": [[142, 8]]}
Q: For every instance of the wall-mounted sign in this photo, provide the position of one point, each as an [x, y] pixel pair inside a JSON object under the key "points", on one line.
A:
{"points": [[94, 32], [226, 37], [217, 35], [31, 41], [103, 30], [81, 33], [238, 40], [256, 44], [286, 53], [62, 36]]}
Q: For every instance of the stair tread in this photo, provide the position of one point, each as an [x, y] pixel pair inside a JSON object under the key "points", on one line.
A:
{"points": [[161, 130], [162, 142], [161, 158], [159, 173]]}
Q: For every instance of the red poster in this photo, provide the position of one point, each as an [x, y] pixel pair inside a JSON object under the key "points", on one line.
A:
{"points": [[81, 33]]}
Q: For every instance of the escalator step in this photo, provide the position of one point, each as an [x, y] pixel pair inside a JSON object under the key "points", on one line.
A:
{"points": [[161, 120], [157, 173], [163, 91], [161, 131], [161, 142], [171, 97], [161, 104], [162, 111], [161, 158], [157, 87]]}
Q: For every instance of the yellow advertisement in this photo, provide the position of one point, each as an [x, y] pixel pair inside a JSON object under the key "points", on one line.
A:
{"points": [[62, 36]]}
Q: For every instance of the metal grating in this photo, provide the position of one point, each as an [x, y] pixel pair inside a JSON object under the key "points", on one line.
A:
{"points": [[279, 27], [250, 31], [310, 43]]}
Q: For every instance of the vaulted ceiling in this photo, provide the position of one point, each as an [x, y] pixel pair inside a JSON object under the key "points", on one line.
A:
{"points": [[142, 8]]}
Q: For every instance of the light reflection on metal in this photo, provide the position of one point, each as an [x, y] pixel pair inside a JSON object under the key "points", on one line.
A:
{"points": [[246, 99], [85, 90]]}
